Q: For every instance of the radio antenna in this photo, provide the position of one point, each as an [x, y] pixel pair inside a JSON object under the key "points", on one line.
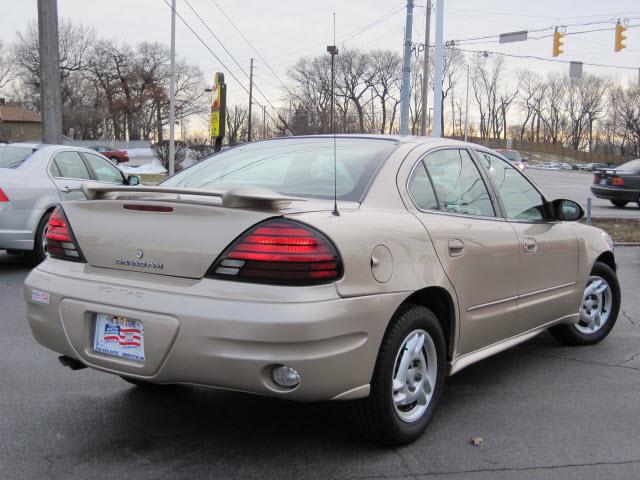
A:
{"points": [[333, 51]]}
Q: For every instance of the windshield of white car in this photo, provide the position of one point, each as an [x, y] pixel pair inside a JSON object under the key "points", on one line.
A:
{"points": [[12, 156], [294, 166]]}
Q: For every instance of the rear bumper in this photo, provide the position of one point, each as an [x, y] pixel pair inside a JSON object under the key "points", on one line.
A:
{"points": [[14, 232], [203, 339], [615, 193]]}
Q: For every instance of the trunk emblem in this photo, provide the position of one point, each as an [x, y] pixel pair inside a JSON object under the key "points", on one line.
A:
{"points": [[139, 254]]}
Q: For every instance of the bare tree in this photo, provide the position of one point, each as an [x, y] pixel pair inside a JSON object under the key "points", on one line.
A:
{"points": [[8, 66], [385, 81], [236, 119]]}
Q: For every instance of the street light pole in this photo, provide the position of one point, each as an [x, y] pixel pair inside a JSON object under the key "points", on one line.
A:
{"points": [[437, 73], [250, 100], [172, 92]]}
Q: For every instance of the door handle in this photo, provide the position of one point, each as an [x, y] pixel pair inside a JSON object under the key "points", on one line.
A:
{"points": [[456, 247], [530, 245], [65, 189]]}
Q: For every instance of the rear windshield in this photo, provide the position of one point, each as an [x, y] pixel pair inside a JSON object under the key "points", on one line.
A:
{"points": [[301, 167], [13, 156]]}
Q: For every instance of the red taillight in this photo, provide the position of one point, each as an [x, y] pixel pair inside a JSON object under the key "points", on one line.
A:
{"points": [[60, 240], [596, 178], [281, 252], [617, 181], [3, 196]]}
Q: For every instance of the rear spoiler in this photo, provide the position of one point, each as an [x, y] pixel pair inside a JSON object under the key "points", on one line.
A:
{"points": [[238, 197]]}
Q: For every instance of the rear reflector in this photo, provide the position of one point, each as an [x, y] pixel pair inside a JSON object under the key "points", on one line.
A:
{"points": [[280, 252], [617, 181], [3, 196], [59, 238]]}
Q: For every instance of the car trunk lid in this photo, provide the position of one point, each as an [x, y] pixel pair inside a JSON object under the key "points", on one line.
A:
{"points": [[164, 232]]}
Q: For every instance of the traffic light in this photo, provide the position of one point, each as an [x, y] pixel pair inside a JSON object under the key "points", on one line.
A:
{"points": [[557, 43], [620, 29]]}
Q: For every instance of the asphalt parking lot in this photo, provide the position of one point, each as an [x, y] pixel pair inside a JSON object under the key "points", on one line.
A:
{"points": [[576, 186], [543, 411]]}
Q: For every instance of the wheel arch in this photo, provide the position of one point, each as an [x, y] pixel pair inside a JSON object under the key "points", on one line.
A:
{"points": [[46, 211], [441, 303], [607, 258]]}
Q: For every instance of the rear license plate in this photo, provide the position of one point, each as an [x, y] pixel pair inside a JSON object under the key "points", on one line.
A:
{"points": [[119, 337], [604, 181]]}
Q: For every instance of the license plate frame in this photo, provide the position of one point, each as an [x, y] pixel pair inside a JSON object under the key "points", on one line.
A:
{"points": [[119, 337], [604, 181]]}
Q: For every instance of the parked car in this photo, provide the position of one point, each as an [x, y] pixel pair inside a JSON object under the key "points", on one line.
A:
{"points": [[34, 179], [116, 156], [620, 185], [514, 157], [367, 270]]}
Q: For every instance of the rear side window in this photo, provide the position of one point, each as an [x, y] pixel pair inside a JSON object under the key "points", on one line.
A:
{"points": [[421, 190], [458, 183], [300, 167], [70, 165], [13, 156]]}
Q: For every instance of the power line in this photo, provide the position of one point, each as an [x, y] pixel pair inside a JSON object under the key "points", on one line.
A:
{"points": [[534, 57], [186, 24], [228, 52]]}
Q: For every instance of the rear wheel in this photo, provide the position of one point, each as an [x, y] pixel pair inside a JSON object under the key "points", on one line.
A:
{"points": [[598, 312], [407, 380], [619, 203], [39, 252]]}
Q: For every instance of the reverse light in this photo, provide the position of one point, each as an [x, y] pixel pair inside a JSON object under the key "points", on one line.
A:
{"points": [[59, 238], [280, 251], [617, 181], [285, 376], [3, 196]]}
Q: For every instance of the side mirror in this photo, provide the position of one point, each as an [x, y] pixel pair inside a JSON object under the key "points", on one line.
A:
{"points": [[567, 210], [133, 180]]}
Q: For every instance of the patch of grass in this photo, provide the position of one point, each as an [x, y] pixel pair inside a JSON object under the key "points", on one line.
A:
{"points": [[620, 229]]}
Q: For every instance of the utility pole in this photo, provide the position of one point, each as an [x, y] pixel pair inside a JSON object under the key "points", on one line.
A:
{"points": [[49, 71], [172, 93], [466, 108], [373, 114], [425, 71], [264, 122], [406, 71], [250, 100], [437, 73]]}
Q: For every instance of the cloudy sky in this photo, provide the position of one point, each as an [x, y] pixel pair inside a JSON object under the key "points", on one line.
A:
{"points": [[284, 30]]}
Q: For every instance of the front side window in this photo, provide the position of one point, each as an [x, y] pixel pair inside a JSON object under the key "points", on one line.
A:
{"points": [[299, 167], [70, 165], [105, 171], [458, 184], [521, 200]]}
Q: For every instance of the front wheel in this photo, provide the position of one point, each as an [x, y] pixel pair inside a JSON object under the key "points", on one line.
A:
{"points": [[407, 380], [598, 311], [619, 203]]}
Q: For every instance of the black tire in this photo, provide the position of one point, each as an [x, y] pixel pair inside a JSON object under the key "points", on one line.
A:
{"points": [[38, 253], [570, 335], [375, 415], [619, 203]]}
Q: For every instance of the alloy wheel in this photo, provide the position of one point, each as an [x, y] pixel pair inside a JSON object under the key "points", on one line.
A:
{"points": [[415, 375], [596, 305]]}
